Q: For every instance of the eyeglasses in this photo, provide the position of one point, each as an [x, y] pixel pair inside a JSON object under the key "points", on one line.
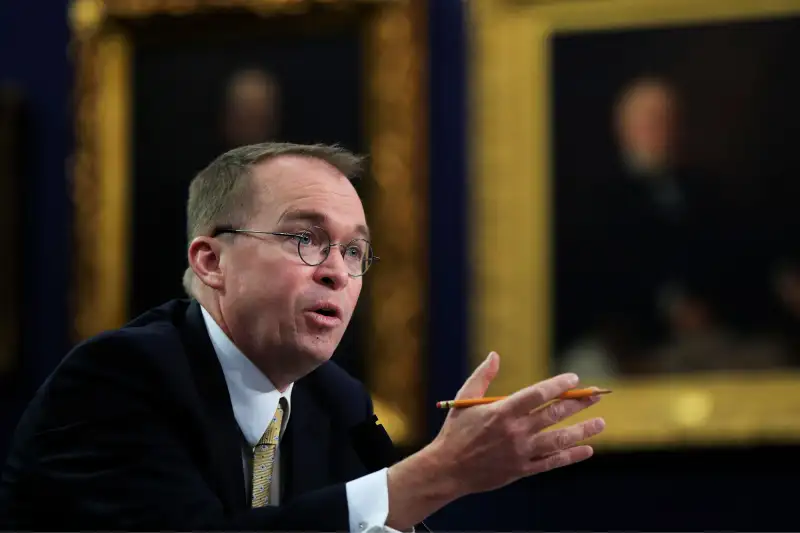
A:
{"points": [[314, 245]]}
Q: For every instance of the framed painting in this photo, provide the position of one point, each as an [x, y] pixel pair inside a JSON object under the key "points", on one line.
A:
{"points": [[164, 87], [634, 190]]}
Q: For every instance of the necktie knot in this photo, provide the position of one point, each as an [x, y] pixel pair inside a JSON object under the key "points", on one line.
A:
{"points": [[273, 432]]}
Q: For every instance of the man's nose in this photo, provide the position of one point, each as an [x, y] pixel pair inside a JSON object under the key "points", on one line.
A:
{"points": [[333, 271]]}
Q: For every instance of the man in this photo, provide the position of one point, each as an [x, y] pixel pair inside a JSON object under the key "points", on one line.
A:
{"points": [[645, 229], [646, 204], [174, 421]]}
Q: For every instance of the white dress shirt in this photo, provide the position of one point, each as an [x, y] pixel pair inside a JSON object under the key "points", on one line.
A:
{"points": [[254, 400]]}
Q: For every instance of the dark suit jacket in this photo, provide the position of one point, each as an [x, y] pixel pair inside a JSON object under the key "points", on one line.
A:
{"points": [[135, 430], [619, 247]]}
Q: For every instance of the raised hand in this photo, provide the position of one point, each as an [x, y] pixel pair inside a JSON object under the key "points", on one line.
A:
{"points": [[486, 447], [492, 445]]}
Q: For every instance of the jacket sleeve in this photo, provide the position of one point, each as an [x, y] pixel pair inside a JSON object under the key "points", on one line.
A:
{"points": [[102, 454]]}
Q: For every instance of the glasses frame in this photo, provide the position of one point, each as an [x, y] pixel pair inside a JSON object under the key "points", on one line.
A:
{"points": [[327, 249]]}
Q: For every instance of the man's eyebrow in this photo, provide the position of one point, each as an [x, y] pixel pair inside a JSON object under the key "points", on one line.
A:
{"points": [[318, 219], [313, 217]]}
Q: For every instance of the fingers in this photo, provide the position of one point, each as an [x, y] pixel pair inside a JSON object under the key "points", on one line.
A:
{"points": [[557, 411], [551, 442], [477, 384], [560, 459], [526, 400]]}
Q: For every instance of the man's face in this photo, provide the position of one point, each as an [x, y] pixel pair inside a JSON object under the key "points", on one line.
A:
{"points": [[271, 298], [646, 124], [252, 109]]}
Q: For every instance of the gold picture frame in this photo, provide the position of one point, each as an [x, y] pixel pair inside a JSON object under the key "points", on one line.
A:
{"points": [[511, 305], [395, 49]]}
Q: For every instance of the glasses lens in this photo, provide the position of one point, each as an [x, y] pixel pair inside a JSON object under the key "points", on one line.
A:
{"points": [[358, 256], [313, 245]]}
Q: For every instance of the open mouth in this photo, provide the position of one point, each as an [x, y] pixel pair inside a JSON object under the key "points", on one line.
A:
{"points": [[327, 311]]}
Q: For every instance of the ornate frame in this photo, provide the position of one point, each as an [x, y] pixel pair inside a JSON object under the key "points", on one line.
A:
{"points": [[511, 82], [395, 62]]}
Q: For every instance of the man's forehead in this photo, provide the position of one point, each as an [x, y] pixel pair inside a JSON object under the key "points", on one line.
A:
{"points": [[298, 188], [288, 176], [647, 95]]}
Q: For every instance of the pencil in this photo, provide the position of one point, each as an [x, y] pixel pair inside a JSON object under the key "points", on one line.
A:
{"points": [[571, 394]]}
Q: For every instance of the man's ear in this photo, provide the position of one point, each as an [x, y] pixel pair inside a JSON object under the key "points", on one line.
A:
{"points": [[204, 260]]}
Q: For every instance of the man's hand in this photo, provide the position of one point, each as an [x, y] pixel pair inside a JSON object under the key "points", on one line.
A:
{"points": [[486, 447], [490, 446]]}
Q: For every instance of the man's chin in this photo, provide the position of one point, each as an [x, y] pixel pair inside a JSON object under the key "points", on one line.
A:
{"points": [[320, 348]]}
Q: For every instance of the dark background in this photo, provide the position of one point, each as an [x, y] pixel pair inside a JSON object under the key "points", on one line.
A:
{"points": [[682, 490], [180, 71], [13, 136]]}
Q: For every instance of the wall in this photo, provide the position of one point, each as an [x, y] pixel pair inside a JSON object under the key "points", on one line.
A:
{"points": [[33, 55]]}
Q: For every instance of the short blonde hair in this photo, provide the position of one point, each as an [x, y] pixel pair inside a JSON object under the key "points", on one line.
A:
{"points": [[220, 194]]}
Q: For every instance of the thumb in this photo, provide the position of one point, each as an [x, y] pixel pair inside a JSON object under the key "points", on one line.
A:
{"points": [[478, 382]]}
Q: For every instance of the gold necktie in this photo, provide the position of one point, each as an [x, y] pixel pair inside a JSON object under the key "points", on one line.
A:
{"points": [[264, 459]]}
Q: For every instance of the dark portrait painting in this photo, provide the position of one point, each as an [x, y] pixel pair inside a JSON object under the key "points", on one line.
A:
{"points": [[205, 84], [677, 184]]}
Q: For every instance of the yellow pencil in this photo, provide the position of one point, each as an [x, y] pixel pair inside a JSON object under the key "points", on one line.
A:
{"points": [[571, 394]]}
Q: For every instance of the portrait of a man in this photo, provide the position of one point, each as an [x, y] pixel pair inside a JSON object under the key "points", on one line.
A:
{"points": [[669, 230]]}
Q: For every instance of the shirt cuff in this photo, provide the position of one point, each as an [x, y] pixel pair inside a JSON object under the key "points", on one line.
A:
{"points": [[368, 503]]}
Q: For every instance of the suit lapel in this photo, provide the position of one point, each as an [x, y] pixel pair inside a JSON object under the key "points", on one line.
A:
{"points": [[308, 441], [223, 432]]}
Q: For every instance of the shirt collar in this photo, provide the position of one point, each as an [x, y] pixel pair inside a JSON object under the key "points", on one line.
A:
{"points": [[253, 396]]}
